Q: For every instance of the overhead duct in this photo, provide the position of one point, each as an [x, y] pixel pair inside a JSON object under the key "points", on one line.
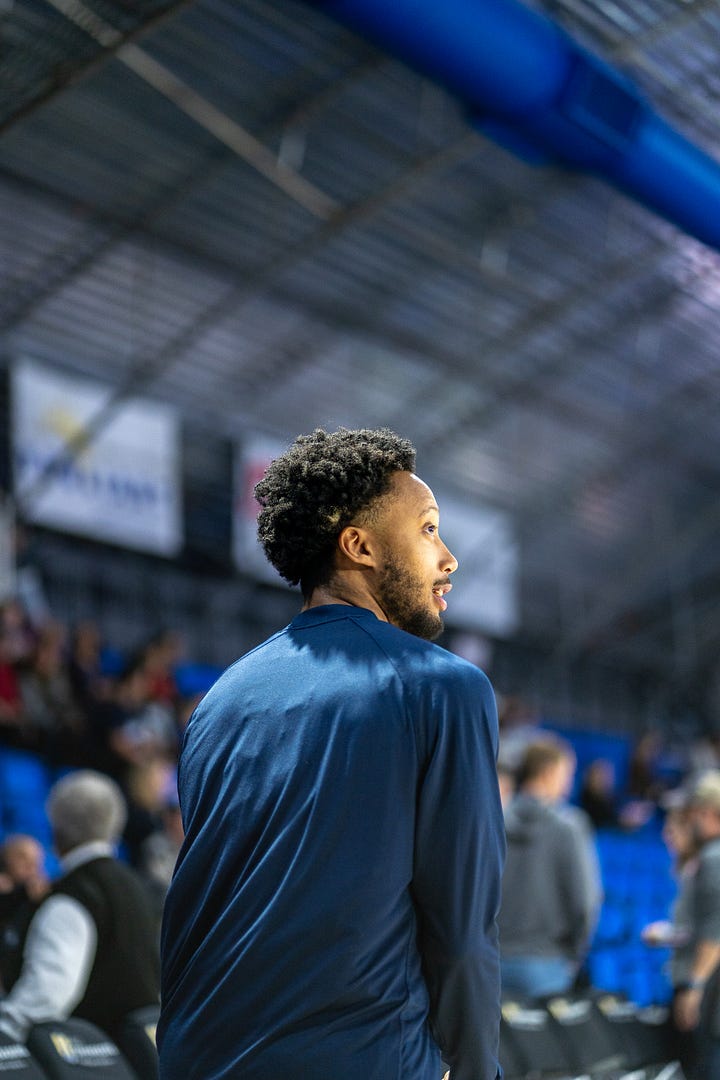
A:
{"points": [[530, 86]]}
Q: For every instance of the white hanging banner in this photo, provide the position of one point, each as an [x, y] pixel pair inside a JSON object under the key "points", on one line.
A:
{"points": [[124, 487], [485, 592], [251, 461]]}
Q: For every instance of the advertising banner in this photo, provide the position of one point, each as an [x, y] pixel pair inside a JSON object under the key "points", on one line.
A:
{"points": [[485, 584], [122, 487], [251, 461]]}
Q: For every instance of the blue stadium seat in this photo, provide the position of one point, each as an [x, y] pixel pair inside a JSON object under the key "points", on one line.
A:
{"points": [[192, 679], [28, 818], [605, 969], [136, 1039], [614, 925], [24, 777], [639, 888]]}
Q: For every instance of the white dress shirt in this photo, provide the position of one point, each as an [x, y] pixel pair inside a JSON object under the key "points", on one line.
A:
{"points": [[58, 956]]}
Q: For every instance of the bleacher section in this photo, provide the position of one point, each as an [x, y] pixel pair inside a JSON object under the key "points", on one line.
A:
{"points": [[639, 889], [637, 880]]}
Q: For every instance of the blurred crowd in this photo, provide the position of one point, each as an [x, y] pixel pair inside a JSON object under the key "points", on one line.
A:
{"points": [[629, 791], [553, 888], [71, 698], [76, 703]]}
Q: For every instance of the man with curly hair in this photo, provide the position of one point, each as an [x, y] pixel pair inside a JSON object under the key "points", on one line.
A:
{"points": [[333, 911]]}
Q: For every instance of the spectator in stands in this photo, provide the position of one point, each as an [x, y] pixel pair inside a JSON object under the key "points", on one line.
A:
{"points": [[92, 947], [23, 885], [87, 678], [186, 706], [695, 968], [597, 794], [645, 783], [160, 850], [56, 722], [679, 833], [159, 659], [17, 631], [133, 728], [506, 782], [11, 714], [551, 888], [22, 864], [701, 753], [146, 789], [518, 723]]}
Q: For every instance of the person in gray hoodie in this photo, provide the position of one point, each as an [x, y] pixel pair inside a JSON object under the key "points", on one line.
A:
{"points": [[551, 891]]}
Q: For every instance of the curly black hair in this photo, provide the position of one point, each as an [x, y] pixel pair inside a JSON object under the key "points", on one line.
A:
{"points": [[315, 489]]}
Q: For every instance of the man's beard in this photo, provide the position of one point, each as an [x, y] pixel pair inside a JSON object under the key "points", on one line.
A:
{"points": [[402, 597]]}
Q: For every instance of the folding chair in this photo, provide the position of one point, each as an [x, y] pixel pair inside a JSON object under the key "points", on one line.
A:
{"points": [[70, 1049], [15, 1058], [528, 1033], [510, 1057], [136, 1039], [643, 1033], [592, 1044]]}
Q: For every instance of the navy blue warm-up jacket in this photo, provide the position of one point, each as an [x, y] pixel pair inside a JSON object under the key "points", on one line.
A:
{"points": [[332, 914]]}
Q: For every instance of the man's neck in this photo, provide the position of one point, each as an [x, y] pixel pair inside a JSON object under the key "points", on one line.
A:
{"points": [[344, 592]]}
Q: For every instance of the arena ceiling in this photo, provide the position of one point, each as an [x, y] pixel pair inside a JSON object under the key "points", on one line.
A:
{"points": [[245, 209]]}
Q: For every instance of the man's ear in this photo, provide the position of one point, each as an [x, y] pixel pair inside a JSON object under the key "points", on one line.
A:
{"points": [[357, 546]]}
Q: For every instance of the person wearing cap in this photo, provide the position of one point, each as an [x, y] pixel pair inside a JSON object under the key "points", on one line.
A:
{"points": [[695, 966]]}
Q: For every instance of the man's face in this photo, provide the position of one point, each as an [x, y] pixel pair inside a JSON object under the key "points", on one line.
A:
{"points": [[564, 777], [23, 859], [706, 821], [415, 570]]}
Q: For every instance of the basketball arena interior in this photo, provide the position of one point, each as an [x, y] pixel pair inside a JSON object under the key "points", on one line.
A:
{"points": [[491, 226]]}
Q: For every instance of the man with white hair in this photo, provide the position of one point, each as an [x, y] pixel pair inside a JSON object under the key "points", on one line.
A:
{"points": [[92, 947]]}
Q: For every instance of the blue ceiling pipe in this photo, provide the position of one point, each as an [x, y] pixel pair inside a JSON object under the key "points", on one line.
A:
{"points": [[530, 86]]}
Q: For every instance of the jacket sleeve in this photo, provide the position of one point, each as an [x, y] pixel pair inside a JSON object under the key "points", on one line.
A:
{"points": [[459, 855]]}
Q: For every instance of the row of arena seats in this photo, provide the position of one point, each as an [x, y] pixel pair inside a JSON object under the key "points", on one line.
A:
{"points": [[598, 1037], [639, 888], [25, 782], [592, 1036], [73, 1049]]}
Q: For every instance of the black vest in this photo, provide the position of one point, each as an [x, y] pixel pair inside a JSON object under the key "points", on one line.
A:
{"points": [[16, 912], [126, 971]]}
